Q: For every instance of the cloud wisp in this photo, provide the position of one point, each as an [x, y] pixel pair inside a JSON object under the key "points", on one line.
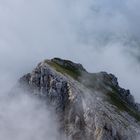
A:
{"points": [[23, 117]]}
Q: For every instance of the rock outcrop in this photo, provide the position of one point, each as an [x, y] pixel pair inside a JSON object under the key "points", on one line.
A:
{"points": [[89, 106]]}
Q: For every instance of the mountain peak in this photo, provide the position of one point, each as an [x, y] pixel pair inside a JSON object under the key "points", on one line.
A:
{"points": [[89, 105]]}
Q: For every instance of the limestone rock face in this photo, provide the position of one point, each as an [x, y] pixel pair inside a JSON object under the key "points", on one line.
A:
{"points": [[88, 106]]}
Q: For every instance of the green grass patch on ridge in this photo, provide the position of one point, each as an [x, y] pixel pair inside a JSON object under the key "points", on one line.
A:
{"points": [[74, 73]]}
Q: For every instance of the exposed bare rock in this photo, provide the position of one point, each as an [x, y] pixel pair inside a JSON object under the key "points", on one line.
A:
{"points": [[89, 106]]}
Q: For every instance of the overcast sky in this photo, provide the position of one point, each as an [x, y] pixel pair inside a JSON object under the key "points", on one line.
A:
{"points": [[102, 35]]}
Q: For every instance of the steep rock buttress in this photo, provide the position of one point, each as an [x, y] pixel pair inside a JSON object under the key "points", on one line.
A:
{"points": [[89, 106]]}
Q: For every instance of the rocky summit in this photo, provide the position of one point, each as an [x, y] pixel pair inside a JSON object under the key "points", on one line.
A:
{"points": [[89, 106]]}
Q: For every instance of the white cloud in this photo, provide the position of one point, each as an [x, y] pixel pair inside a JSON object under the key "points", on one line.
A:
{"points": [[25, 118], [99, 34]]}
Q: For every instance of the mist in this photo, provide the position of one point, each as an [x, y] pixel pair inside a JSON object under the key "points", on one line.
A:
{"points": [[23, 117], [102, 35]]}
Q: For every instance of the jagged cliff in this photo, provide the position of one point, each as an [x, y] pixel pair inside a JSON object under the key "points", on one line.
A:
{"points": [[89, 106]]}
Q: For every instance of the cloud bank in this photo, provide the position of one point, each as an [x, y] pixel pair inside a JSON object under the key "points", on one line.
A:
{"points": [[102, 35]]}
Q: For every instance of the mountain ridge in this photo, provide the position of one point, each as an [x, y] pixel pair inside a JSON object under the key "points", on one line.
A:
{"points": [[89, 105]]}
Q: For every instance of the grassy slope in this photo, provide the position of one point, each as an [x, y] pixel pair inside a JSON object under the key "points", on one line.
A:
{"points": [[92, 84], [74, 73]]}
